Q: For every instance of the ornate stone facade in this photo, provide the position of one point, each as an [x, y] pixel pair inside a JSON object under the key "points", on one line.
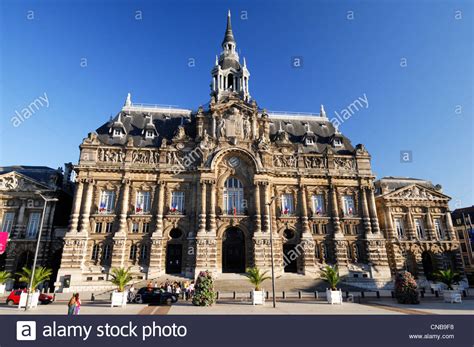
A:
{"points": [[416, 223], [21, 208], [166, 190]]}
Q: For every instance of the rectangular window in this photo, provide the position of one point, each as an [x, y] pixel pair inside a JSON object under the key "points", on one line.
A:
{"points": [[144, 252], [135, 227], [107, 201], [439, 229], [108, 227], [177, 202], [95, 252], [399, 227], [106, 254], [461, 235], [33, 225], [146, 227], [98, 227], [315, 229], [142, 202], [287, 207], [419, 228], [117, 132], [463, 247], [323, 229], [7, 224], [318, 204], [348, 205]]}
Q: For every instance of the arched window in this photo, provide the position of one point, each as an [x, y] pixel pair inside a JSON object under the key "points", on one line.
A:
{"points": [[106, 252], [233, 196]]}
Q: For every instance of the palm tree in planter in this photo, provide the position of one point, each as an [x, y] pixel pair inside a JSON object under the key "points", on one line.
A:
{"points": [[41, 275], [449, 278], [4, 277], [120, 277], [257, 278], [330, 274]]}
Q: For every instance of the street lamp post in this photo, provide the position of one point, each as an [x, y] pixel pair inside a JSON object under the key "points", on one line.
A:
{"points": [[38, 240], [269, 204]]}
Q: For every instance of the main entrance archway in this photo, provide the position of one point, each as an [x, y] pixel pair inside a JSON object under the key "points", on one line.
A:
{"points": [[174, 252], [428, 267], [233, 251]]}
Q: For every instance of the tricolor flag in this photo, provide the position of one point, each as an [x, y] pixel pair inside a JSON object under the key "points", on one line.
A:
{"points": [[102, 206], [318, 210], [139, 207], [174, 207], [235, 211], [350, 210], [286, 210]]}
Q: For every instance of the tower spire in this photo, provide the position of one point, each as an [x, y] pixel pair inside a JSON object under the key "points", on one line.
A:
{"points": [[229, 35]]}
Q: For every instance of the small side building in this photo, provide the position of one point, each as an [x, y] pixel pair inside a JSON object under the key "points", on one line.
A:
{"points": [[463, 219], [416, 222], [21, 209]]}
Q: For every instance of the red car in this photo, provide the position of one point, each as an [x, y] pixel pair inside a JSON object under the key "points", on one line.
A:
{"points": [[14, 298]]}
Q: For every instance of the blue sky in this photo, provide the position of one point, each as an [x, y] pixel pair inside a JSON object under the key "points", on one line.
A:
{"points": [[411, 59]]}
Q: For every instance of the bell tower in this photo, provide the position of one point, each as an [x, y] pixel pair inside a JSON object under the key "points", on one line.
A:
{"points": [[229, 77]]}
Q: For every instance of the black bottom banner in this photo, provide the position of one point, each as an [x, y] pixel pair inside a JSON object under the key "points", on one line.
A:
{"points": [[204, 330]]}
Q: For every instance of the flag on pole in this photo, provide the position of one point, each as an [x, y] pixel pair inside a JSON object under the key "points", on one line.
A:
{"points": [[102, 206]]}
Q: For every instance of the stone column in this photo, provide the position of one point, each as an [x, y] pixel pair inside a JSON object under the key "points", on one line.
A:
{"points": [[430, 231], [155, 267], [304, 210], [258, 213], [20, 224], [389, 224], [365, 212], [160, 207], [411, 232], [76, 207], [212, 212], [373, 212], [86, 210], [123, 228], [335, 212], [449, 226], [120, 237], [202, 205], [309, 263], [266, 211]]}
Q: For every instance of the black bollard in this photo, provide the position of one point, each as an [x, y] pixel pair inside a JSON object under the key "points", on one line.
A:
{"points": [[362, 295], [299, 294], [234, 295], [283, 294], [378, 294], [436, 293]]}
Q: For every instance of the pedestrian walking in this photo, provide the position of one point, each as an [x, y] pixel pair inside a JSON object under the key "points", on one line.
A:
{"points": [[71, 305], [78, 304]]}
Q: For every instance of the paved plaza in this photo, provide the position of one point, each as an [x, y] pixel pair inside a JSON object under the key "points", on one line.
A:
{"points": [[384, 306]]}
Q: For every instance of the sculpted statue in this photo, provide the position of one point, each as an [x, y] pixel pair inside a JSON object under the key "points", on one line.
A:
{"points": [[221, 128], [247, 128], [8, 183]]}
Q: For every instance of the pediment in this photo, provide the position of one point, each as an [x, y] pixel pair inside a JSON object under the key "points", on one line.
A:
{"points": [[16, 182], [417, 192]]}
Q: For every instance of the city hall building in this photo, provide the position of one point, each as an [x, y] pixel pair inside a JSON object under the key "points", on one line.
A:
{"points": [[175, 191]]}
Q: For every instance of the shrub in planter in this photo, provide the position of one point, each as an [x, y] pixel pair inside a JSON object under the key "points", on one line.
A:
{"points": [[406, 289], [204, 294], [448, 277]]}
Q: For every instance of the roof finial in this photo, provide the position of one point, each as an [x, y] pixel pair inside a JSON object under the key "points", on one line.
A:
{"points": [[322, 113], [245, 62], [217, 60], [128, 102]]}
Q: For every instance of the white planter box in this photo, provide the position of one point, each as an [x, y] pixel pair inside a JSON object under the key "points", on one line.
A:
{"points": [[119, 299], [33, 300], [452, 296], [334, 296], [2, 288], [258, 297]]}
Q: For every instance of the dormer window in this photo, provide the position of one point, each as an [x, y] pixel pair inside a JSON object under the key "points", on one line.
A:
{"points": [[150, 134], [309, 141], [337, 142], [117, 132]]}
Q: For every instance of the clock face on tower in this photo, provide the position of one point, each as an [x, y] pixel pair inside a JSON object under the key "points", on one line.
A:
{"points": [[234, 162]]}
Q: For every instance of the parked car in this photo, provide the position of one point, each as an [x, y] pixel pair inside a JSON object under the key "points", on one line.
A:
{"points": [[14, 297], [155, 296]]}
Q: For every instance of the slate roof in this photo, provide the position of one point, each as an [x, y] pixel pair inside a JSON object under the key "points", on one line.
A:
{"points": [[167, 123], [392, 183]]}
